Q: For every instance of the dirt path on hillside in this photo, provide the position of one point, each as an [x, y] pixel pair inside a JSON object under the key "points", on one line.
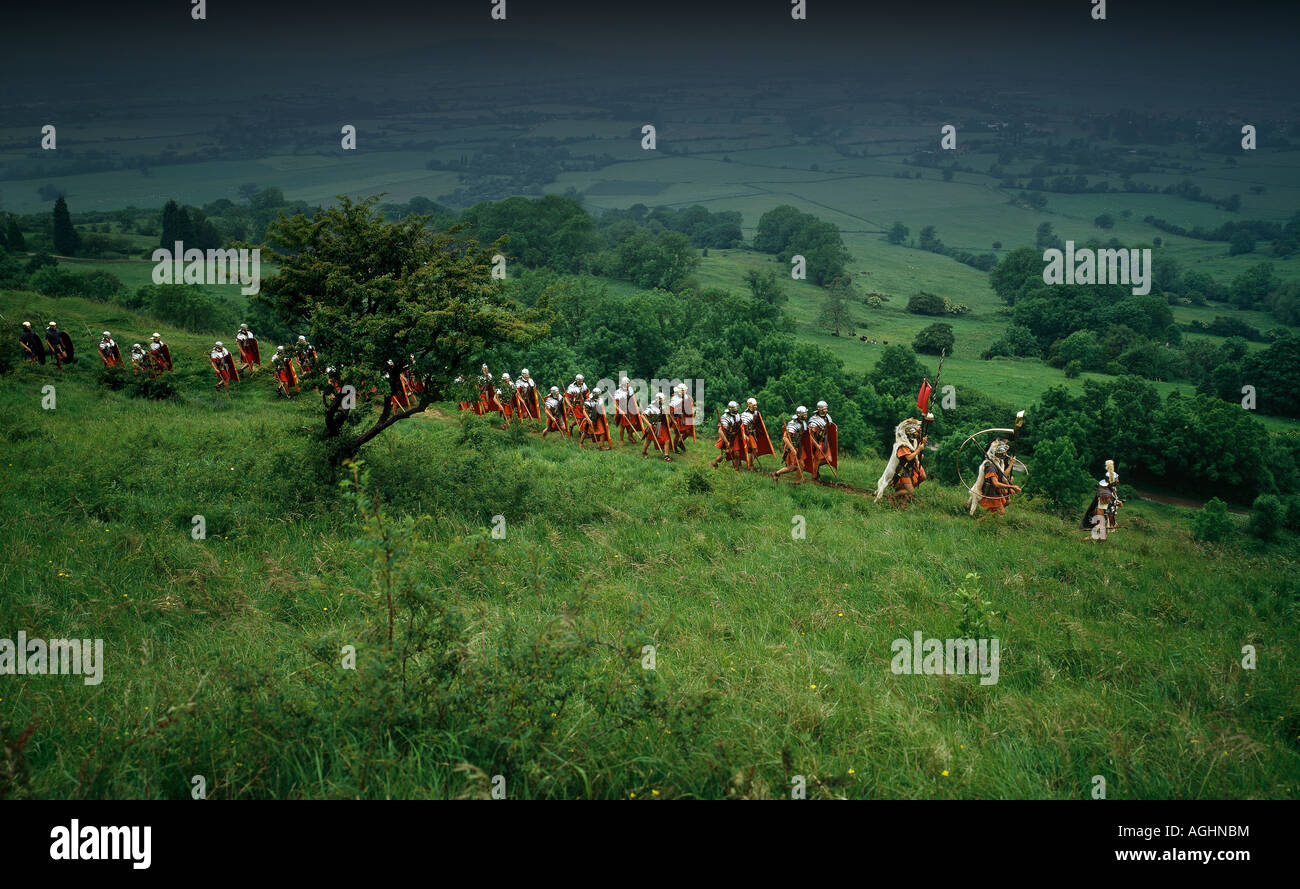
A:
{"points": [[1185, 502]]}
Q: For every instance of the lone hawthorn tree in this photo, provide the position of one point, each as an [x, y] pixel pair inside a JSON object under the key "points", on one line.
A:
{"points": [[370, 291]]}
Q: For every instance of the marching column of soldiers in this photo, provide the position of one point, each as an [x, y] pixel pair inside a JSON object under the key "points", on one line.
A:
{"points": [[807, 442], [664, 425], [155, 358]]}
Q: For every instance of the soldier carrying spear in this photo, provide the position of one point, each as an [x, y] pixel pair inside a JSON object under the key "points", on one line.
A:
{"points": [[656, 427]]}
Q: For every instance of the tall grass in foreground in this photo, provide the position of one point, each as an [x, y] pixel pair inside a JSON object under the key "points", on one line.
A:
{"points": [[522, 656]]}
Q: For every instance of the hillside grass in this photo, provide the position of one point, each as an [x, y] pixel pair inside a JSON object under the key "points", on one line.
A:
{"points": [[524, 653]]}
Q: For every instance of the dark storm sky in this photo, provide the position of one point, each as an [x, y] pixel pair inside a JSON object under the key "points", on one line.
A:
{"points": [[131, 31], [103, 52]]}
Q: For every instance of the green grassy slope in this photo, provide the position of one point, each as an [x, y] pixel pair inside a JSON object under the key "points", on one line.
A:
{"points": [[773, 653]]}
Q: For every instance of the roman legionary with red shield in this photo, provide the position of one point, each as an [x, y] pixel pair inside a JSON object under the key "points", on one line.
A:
{"points": [[139, 360], [160, 356], [626, 412], [825, 450], [505, 397], [249, 353], [576, 395], [757, 442], [460, 389], [285, 375], [595, 423], [731, 439], [795, 445], [656, 427], [59, 342], [526, 397], [33, 348], [412, 384], [109, 351], [487, 388], [224, 364], [681, 410], [557, 413], [306, 356], [396, 392]]}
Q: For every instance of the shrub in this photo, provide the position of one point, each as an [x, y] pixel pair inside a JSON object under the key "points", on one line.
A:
{"points": [[934, 339], [155, 388], [926, 304], [1291, 503], [1213, 522], [1268, 515]]}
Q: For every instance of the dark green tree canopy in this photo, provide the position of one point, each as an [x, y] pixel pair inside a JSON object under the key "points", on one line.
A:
{"points": [[368, 291]]}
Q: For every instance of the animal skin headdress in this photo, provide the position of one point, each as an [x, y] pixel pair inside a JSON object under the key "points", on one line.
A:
{"points": [[999, 454], [904, 436]]}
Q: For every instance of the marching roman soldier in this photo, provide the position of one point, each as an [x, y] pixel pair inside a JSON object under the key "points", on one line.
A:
{"points": [[681, 410], [335, 379], [139, 359], [595, 423], [757, 441], [285, 375], [59, 342], [993, 487], [396, 391], [109, 351], [333, 398], [795, 449], [460, 387], [249, 354], [903, 472], [656, 427], [526, 396], [33, 348], [731, 438], [160, 356], [824, 440], [626, 412], [410, 382], [486, 390], [557, 418], [306, 356], [576, 395], [224, 364], [505, 397]]}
